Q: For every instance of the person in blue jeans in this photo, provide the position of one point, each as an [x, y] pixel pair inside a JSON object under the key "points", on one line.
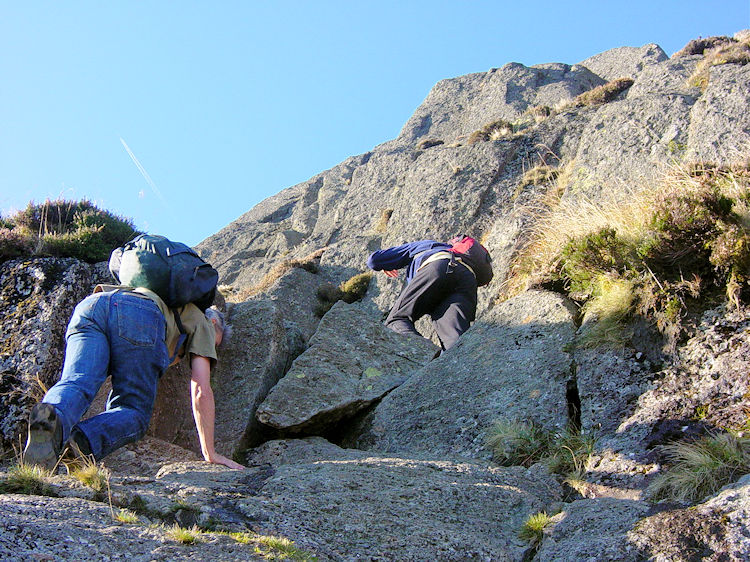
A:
{"points": [[130, 335], [438, 284]]}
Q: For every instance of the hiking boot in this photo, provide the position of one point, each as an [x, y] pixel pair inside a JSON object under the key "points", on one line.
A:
{"points": [[45, 437]]}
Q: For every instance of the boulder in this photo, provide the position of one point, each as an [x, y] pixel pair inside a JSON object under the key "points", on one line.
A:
{"points": [[595, 529], [459, 106], [624, 62], [352, 361], [715, 529], [250, 364], [47, 529], [511, 363]]}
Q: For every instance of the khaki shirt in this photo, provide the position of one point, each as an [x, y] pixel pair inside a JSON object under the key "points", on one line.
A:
{"points": [[201, 335]]}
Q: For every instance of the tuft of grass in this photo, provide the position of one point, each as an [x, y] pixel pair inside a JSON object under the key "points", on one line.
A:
{"points": [[702, 467], [92, 475], [491, 131], [610, 308], [532, 529], [604, 93], [271, 547], [515, 442], [183, 535], [654, 253], [28, 479], [126, 516], [351, 290]]}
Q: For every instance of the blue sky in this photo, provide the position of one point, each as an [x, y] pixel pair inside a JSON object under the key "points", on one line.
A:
{"points": [[223, 103]]}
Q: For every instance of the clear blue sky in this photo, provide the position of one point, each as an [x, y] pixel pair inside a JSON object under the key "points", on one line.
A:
{"points": [[226, 103]]}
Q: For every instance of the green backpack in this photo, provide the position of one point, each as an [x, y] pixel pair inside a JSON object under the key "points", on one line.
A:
{"points": [[172, 270]]}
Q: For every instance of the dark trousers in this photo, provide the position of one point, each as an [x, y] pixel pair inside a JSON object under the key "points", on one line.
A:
{"points": [[445, 291]]}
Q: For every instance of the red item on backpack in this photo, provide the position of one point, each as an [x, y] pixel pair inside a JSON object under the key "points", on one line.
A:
{"points": [[476, 257]]}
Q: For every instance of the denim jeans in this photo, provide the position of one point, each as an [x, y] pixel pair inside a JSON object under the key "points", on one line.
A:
{"points": [[117, 334]]}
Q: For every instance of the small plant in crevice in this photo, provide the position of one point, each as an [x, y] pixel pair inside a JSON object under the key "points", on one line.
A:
{"points": [[532, 530], [514, 442], [350, 291], [701, 467], [382, 224], [491, 131]]}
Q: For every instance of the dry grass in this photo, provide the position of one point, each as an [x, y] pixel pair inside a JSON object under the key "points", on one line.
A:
{"points": [[702, 467], [491, 131], [308, 263], [539, 175], [604, 93], [382, 224], [559, 221], [733, 52]]}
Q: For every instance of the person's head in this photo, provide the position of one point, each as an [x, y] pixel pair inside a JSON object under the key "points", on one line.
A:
{"points": [[221, 326]]}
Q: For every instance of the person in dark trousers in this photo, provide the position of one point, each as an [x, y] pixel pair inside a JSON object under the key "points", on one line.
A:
{"points": [[439, 283]]}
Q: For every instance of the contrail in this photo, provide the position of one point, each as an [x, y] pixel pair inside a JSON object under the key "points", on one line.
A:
{"points": [[145, 175]]}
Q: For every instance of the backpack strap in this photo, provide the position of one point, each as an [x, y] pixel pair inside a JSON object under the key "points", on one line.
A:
{"points": [[182, 337]]}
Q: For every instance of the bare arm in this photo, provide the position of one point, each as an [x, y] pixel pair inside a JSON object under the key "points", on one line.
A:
{"points": [[204, 409]]}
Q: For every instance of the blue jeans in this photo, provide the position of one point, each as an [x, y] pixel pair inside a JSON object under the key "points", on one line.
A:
{"points": [[117, 334]]}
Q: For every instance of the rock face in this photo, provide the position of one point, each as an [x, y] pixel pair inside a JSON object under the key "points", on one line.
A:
{"points": [[447, 406], [253, 361], [37, 298], [352, 360]]}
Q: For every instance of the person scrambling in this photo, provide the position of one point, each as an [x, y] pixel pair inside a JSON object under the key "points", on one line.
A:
{"points": [[441, 280], [129, 333]]}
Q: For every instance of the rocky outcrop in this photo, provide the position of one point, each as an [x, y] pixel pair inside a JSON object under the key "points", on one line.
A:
{"points": [[305, 491], [352, 361], [624, 62], [37, 298], [715, 529], [447, 406]]}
